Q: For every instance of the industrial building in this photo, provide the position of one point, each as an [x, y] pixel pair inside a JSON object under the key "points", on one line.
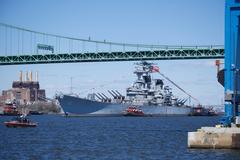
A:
{"points": [[24, 91]]}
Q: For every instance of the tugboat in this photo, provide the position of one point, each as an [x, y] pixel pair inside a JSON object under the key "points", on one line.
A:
{"points": [[35, 113], [133, 111], [201, 111], [10, 109], [21, 121]]}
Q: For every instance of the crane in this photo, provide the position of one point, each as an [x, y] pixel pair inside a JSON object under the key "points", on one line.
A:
{"points": [[232, 63]]}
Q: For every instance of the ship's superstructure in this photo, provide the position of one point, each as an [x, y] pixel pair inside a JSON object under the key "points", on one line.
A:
{"points": [[148, 91]]}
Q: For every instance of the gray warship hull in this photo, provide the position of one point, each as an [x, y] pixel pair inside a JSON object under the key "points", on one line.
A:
{"points": [[79, 106]]}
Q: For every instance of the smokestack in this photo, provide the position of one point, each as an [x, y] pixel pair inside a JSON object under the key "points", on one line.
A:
{"points": [[20, 78], [36, 76], [27, 76], [31, 76]]}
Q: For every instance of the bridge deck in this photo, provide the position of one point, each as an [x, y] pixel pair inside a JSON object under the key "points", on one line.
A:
{"points": [[174, 54]]}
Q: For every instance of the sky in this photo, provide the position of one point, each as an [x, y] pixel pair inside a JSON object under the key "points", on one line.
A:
{"points": [[163, 22]]}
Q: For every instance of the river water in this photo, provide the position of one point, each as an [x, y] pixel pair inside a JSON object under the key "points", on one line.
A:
{"points": [[58, 137]]}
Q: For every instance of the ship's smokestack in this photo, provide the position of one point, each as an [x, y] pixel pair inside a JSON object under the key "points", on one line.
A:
{"points": [[20, 78], [36, 76], [31, 76], [23, 77], [27, 76]]}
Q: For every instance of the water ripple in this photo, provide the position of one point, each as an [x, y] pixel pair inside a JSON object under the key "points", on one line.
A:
{"points": [[58, 137]]}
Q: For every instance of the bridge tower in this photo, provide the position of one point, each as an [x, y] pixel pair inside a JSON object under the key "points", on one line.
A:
{"points": [[232, 61]]}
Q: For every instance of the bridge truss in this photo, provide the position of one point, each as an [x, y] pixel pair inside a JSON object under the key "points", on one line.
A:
{"points": [[23, 46]]}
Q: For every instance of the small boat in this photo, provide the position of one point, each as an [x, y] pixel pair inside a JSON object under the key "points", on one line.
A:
{"points": [[201, 111], [20, 121], [35, 113], [10, 109], [133, 111]]}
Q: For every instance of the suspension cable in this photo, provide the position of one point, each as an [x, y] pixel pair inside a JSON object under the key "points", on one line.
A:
{"points": [[116, 43], [179, 87]]}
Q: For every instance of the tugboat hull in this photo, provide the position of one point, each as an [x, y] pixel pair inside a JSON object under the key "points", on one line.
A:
{"points": [[133, 111], [133, 115], [14, 124]]}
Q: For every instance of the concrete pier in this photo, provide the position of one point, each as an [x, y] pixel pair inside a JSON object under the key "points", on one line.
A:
{"points": [[216, 138]]}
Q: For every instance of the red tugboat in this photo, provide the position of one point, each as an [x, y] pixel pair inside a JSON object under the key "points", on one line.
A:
{"points": [[201, 111], [10, 109], [133, 111], [21, 121]]}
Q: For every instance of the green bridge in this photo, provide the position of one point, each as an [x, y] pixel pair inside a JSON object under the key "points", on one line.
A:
{"points": [[114, 56], [24, 46]]}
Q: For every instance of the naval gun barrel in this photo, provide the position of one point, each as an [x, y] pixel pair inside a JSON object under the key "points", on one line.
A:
{"points": [[181, 101], [103, 99], [115, 93], [114, 96], [185, 100], [119, 93], [107, 99], [104, 96], [98, 97]]}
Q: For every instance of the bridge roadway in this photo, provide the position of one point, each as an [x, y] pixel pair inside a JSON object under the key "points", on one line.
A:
{"points": [[161, 54]]}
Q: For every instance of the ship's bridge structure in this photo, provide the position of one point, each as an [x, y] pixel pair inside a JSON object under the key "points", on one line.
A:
{"points": [[24, 46]]}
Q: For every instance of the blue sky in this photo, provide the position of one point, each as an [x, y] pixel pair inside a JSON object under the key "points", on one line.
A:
{"points": [[171, 22]]}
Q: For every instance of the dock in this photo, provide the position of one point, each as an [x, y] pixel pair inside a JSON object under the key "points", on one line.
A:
{"points": [[215, 138]]}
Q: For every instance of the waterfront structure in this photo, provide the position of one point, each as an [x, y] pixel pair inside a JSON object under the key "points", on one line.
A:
{"points": [[24, 91]]}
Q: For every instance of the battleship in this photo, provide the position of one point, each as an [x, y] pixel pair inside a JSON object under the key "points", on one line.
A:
{"points": [[150, 95]]}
